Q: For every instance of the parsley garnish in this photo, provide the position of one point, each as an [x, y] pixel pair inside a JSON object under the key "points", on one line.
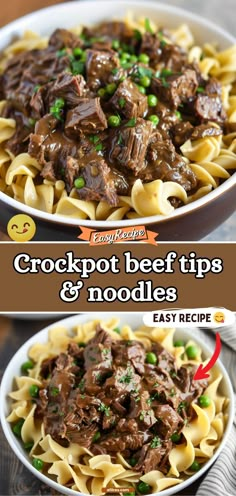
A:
{"points": [[182, 406], [131, 122], [105, 409], [148, 27], [54, 391], [155, 442], [122, 102], [126, 379]]}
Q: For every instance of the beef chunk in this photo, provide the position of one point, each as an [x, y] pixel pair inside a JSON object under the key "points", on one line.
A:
{"points": [[164, 163], [129, 145], [69, 87], [209, 108], [124, 351], [62, 38], [165, 359], [99, 183], [98, 350], [142, 410], [129, 101], [111, 30], [152, 458], [99, 66], [124, 380], [181, 132], [177, 88], [87, 116], [174, 57], [205, 130], [150, 45], [168, 420]]}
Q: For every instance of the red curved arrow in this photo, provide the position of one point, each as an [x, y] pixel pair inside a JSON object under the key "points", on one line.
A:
{"points": [[202, 371]]}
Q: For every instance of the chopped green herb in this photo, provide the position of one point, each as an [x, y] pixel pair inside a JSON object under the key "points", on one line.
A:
{"points": [[166, 72], [99, 147], [122, 102], [36, 88], [149, 401], [165, 83], [172, 392], [182, 406], [115, 71], [175, 438], [148, 27], [105, 409], [200, 89], [137, 35], [61, 53], [178, 114], [77, 67], [126, 379], [131, 122], [54, 391], [94, 138], [155, 442], [119, 142], [115, 45], [173, 373], [96, 437], [81, 385], [117, 329]]}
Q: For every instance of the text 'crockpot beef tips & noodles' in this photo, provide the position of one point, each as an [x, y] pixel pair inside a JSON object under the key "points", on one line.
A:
{"points": [[109, 407], [119, 120]]}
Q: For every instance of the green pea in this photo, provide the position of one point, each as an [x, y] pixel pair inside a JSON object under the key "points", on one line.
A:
{"points": [[102, 92], [111, 88], [28, 446], [178, 343], [96, 437], [82, 345], [151, 358], [34, 391], [79, 183], [113, 121], [77, 52], [145, 81], [133, 59], [192, 352], [175, 437], [195, 466], [152, 100], [178, 114], [204, 401], [154, 119], [144, 488], [141, 89], [132, 461], [125, 56], [116, 44], [16, 429], [26, 366], [143, 58], [37, 463]]}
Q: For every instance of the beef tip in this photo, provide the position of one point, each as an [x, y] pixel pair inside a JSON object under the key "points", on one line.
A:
{"points": [[121, 183], [69, 87], [142, 410], [62, 38], [168, 420], [165, 359], [209, 108], [164, 163], [133, 351], [71, 171], [213, 87], [87, 116], [111, 30], [99, 67], [109, 422], [47, 367], [205, 130], [151, 458], [129, 145], [122, 442], [48, 171], [151, 46], [98, 178], [128, 100], [124, 380], [83, 436], [174, 57], [177, 88], [125, 425], [98, 350], [181, 132], [18, 143]]}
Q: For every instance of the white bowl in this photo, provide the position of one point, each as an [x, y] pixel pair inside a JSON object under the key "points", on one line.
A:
{"points": [[186, 222], [134, 320]]}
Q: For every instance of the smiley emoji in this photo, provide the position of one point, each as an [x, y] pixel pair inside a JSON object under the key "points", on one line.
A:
{"points": [[21, 228], [219, 317]]}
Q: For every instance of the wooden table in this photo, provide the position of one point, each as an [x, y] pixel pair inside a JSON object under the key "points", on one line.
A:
{"points": [[17, 8]]}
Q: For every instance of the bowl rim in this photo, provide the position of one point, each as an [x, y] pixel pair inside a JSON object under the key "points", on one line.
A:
{"points": [[155, 219], [69, 323]]}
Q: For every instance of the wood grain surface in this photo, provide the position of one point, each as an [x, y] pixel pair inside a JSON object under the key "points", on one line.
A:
{"points": [[17, 8]]}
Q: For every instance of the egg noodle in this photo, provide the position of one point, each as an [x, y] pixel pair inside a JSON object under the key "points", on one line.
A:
{"points": [[212, 159], [75, 466]]}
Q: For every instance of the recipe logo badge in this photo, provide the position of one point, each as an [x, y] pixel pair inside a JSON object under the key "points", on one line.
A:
{"points": [[21, 228], [122, 491], [122, 235], [199, 317]]}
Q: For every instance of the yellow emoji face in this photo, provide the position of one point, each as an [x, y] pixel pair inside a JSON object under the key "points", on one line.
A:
{"points": [[21, 228], [219, 317]]}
